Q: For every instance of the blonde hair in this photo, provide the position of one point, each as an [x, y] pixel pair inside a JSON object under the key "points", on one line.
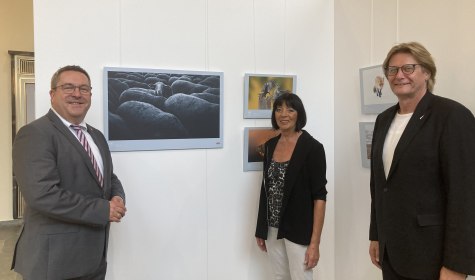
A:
{"points": [[422, 56]]}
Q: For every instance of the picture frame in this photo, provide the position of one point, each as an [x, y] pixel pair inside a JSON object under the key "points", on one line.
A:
{"points": [[253, 151], [260, 90], [376, 94], [366, 138], [157, 109]]}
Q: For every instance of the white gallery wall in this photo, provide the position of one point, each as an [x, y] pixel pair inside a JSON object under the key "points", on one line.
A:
{"points": [[191, 213], [365, 30]]}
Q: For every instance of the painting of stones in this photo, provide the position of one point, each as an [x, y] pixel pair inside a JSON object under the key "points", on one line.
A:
{"points": [[262, 89], [151, 109]]}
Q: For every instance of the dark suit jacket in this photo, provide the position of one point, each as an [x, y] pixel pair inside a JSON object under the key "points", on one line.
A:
{"points": [[423, 214], [66, 221], [304, 182]]}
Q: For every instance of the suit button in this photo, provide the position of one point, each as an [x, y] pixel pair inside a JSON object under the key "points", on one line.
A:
{"points": [[385, 189]]}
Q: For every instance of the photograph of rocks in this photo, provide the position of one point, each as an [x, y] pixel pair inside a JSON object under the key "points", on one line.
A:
{"points": [[151, 109]]}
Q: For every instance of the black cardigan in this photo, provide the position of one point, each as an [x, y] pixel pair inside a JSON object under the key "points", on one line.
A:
{"points": [[304, 182]]}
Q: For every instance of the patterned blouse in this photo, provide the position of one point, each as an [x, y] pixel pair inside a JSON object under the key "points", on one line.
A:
{"points": [[275, 175]]}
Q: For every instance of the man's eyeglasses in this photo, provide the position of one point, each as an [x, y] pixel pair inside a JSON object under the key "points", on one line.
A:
{"points": [[70, 88], [406, 69]]}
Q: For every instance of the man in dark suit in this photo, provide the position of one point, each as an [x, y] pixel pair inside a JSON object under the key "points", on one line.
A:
{"points": [[71, 192], [422, 176]]}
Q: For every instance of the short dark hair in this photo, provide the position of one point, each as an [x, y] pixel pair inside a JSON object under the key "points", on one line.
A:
{"points": [[294, 102], [55, 78]]}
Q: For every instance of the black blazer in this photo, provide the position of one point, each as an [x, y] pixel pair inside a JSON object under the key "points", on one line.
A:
{"points": [[423, 214], [304, 182]]}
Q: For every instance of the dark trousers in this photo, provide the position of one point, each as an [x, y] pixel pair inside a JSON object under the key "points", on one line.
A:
{"points": [[99, 274], [390, 274]]}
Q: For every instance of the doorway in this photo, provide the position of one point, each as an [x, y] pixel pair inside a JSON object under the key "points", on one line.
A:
{"points": [[23, 108]]}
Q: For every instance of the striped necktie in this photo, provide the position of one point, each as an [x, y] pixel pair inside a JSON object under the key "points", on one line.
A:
{"points": [[85, 144]]}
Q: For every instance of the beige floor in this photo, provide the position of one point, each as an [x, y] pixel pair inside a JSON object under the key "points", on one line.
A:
{"points": [[9, 231]]}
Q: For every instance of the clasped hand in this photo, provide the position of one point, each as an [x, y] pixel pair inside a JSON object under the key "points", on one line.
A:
{"points": [[116, 209]]}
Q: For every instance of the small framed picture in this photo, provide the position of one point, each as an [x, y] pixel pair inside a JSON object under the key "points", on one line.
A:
{"points": [[366, 138], [260, 91], [376, 94], [253, 152]]}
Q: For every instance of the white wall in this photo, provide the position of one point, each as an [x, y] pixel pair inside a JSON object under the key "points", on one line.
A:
{"points": [[192, 212], [365, 30]]}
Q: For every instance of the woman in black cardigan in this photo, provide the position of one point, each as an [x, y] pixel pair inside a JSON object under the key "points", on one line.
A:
{"points": [[293, 193]]}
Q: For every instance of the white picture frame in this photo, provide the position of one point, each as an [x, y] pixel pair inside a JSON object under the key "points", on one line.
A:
{"points": [[376, 94], [156, 109], [366, 138], [260, 90]]}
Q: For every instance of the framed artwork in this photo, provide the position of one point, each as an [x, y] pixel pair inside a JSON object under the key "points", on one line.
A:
{"points": [[376, 95], [366, 137], [260, 91], [254, 139], [152, 109]]}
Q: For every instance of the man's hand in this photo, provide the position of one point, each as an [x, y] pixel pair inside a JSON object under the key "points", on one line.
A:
{"points": [[447, 274], [116, 209], [374, 253]]}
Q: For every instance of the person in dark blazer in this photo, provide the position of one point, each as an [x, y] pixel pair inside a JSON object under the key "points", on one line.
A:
{"points": [[293, 193], [70, 199], [422, 176]]}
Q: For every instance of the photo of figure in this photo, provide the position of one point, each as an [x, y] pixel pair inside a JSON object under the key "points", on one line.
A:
{"points": [[378, 85], [261, 90], [375, 96], [366, 138], [254, 139]]}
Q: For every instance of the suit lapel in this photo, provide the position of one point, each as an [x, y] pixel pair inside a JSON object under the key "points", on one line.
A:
{"points": [[297, 161], [385, 121], [59, 125], [421, 114]]}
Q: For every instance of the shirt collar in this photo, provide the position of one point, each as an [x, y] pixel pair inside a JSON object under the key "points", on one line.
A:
{"points": [[68, 124]]}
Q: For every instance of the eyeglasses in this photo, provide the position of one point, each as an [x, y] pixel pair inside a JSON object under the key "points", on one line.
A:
{"points": [[406, 69], [70, 88]]}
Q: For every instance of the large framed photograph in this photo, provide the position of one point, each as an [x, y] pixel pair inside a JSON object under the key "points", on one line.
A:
{"points": [[153, 109], [253, 152], [376, 95], [366, 138], [260, 91]]}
